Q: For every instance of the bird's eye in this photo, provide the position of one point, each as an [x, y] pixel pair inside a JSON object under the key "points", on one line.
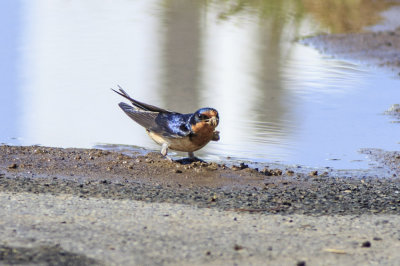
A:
{"points": [[203, 117]]}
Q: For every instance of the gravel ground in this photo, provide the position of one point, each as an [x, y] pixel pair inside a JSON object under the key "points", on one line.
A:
{"points": [[93, 207], [151, 178], [129, 232]]}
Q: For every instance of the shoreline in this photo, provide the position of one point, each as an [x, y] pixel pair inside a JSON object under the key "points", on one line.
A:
{"points": [[151, 178]]}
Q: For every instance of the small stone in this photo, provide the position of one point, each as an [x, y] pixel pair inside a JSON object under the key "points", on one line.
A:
{"points": [[13, 166], [301, 263], [243, 166], [212, 167], [237, 247], [377, 238], [290, 172], [178, 171], [366, 244], [277, 172], [214, 198], [235, 168], [266, 171], [313, 173]]}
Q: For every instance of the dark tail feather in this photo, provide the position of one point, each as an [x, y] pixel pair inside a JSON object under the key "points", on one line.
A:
{"points": [[143, 106]]}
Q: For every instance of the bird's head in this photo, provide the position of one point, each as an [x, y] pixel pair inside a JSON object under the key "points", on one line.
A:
{"points": [[207, 116]]}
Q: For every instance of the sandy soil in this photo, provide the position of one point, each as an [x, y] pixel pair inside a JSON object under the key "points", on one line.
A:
{"points": [[93, 207]]}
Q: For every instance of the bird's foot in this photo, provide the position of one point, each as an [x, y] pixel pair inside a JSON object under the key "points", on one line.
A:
{"points": [[168, 158]]}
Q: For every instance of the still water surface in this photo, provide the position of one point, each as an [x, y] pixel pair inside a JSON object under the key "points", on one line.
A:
{"points": [[279, 101]]}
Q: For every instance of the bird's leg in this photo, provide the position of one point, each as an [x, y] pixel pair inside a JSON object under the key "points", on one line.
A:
{"points": [[164, 152], [164, 149], [193, 158]]}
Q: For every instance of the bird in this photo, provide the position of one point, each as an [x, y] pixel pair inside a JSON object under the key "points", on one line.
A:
{"points": [[173, 130]]}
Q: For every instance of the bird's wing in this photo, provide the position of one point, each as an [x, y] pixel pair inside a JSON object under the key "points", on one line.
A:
{"points": [[173, 125], [140, 105], [146, 119]]}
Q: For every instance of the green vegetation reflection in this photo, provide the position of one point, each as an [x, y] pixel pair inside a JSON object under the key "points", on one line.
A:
{"points": [[337, 16]]}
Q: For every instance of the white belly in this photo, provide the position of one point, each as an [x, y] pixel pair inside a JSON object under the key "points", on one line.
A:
{"points": [[177, 144]]}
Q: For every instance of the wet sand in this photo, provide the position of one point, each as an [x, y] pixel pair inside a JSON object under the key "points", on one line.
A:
{"points": [[93, 207]]}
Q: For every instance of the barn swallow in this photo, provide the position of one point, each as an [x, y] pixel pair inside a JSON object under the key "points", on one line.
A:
{"points": [[172, 130]]}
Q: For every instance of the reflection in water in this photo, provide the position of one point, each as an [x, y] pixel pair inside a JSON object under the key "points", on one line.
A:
{"points": [[278, 100], [73, 52], [9, 110], [181, 58], [347, 16]]}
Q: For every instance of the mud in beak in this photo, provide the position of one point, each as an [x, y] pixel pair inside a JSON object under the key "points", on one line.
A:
{"points": [[214, 121], [215, 136]]}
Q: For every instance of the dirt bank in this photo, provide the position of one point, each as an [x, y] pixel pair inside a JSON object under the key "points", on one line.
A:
{"points": [[380, 48]]}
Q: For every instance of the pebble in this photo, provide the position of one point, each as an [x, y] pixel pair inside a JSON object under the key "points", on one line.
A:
{"points": [[13, 166], [237, 247], [366, 244], [313, 173]]}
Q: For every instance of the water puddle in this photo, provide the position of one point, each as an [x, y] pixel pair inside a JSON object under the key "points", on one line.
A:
{"points": [[279, 101]]}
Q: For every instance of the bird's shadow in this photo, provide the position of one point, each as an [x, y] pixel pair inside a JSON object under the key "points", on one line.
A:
{"points": [[188, 160]]}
